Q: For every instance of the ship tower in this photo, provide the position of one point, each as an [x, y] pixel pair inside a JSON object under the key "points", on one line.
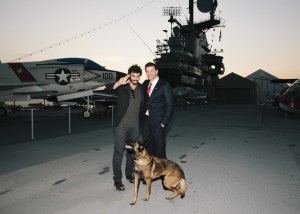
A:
{"points": [[185, 59]]}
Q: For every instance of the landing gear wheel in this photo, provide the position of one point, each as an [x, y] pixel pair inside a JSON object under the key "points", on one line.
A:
{"points": [[86, 114], [3, 112]]}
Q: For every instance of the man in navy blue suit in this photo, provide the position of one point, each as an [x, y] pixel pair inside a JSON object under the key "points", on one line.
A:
{"points": [[159, 107]]}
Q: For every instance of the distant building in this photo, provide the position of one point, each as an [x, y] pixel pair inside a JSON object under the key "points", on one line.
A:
{"points": [[234, 89], [267, 89]]}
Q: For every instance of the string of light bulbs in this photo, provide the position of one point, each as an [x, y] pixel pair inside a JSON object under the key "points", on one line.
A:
{"points": [[83, 34]]}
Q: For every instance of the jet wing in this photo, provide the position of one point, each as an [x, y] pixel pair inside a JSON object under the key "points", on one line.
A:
{"points": [[14, 85], [98, 94]]}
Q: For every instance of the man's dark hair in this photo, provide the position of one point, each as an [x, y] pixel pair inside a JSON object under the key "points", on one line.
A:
{"points": [[135, 69], [149, 64]]}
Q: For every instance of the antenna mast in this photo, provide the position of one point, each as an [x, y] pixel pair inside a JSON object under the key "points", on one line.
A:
{"points": [[191, 9]]}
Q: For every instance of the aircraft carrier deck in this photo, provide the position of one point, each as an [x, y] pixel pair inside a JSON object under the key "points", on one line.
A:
{"points": [[236, 159]]}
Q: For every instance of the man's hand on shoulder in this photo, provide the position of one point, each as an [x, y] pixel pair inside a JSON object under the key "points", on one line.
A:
{"points": [[101, 88]]}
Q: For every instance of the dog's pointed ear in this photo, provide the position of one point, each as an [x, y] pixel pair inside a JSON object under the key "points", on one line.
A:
{"points": [[146, 143]]}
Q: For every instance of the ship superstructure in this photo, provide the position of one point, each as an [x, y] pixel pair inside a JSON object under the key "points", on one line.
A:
{"points": [[185, 58]]}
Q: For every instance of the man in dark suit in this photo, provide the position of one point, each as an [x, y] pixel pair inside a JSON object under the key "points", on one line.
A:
{"points": [[159, 106], [127, 121]]}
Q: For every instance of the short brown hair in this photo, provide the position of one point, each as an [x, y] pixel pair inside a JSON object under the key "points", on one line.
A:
{"points": [[149, 64]]}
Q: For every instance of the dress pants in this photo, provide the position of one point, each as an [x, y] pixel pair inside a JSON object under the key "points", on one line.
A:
{"points": [[156, 135]]}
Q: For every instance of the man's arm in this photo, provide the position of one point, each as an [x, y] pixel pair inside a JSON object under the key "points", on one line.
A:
{"points": [[122, 81], [168, 94]]}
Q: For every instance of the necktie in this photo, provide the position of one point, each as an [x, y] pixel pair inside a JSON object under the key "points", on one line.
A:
{"points": [[149, 89]]}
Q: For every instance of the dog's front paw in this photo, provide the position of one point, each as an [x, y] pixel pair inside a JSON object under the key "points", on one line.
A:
{"points": [[146, 198], [133, 202]]}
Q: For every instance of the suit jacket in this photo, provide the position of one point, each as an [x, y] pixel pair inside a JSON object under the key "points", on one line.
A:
{"points": [[161, 102], [123, 94]]}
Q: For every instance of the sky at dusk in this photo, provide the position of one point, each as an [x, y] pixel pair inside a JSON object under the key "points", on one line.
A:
{"points": [[116, 34]]}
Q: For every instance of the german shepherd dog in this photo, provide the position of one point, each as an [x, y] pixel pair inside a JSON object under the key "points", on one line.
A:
{"points": [[150, 167]]}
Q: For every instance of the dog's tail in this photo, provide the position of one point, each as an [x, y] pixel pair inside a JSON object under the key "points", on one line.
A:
{"points": [[182, 187]]}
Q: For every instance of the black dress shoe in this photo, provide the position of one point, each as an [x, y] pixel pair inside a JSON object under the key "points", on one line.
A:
{"points": [[130, 179], [119, 185]]}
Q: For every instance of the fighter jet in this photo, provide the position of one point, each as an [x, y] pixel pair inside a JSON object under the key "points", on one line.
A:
{"points": [[62, 79], [289, 100]]}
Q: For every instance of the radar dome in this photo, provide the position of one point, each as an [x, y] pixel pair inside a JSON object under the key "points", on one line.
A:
{"points": [[205, 5]]}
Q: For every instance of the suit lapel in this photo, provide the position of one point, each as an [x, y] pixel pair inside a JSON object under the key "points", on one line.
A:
{"points": [[157, 86]]}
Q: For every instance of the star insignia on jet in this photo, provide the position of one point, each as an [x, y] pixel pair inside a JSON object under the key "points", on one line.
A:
{"points": [[62, 76]]}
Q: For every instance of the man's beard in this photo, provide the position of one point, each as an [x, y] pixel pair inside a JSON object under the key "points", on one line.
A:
{"points": [[133, 82]]}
